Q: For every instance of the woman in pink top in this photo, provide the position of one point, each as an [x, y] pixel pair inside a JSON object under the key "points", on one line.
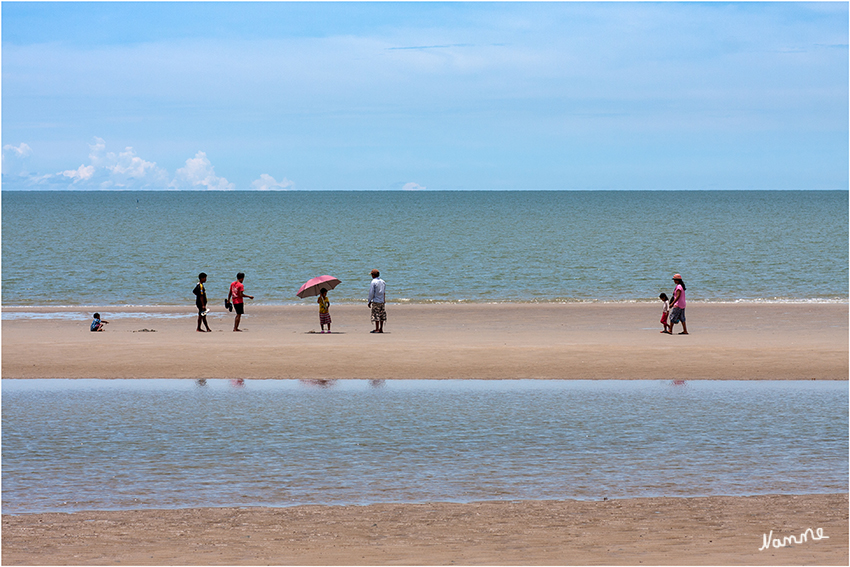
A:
{"points": [[677, 313]]}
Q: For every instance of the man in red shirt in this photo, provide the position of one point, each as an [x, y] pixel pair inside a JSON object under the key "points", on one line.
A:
{"points": [[235, 296]]}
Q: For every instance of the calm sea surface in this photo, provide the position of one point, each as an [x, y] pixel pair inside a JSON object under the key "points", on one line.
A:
{"points": [[146, 248], [128, 444]]}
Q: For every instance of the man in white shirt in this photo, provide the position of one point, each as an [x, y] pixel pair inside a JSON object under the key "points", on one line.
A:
{"points": [[376, 301]]}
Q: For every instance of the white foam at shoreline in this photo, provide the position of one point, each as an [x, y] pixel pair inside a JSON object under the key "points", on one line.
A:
{"points": [[18, 312], [76, 316]]}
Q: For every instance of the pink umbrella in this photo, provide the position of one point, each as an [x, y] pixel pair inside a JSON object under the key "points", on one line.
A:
{"points": [[312, 287]]}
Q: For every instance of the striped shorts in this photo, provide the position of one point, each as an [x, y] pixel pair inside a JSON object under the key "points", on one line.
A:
{"points": [[324, 318]]}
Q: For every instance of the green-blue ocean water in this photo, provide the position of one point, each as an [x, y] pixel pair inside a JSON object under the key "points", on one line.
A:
{"points": [[146, 248]]}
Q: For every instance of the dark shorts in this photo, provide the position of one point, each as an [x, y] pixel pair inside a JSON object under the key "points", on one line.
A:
{"points": [[677, 315], [201, 308], [239, 308]]}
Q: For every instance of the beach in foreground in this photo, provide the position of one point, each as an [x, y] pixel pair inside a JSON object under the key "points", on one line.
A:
{"points": [[652, 531], [501, 341], [739, 341]]}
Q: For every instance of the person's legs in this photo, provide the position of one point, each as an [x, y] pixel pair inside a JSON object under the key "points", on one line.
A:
{"points": [[678, 316], [199, 323], [673, 318], [239, 310], [378, 317], [207, 325]]}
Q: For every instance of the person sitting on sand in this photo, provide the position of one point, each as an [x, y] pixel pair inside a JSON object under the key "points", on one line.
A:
{"points": [[98, 323], [201, 302], [677, 313], [665, 309], [324, 307]]}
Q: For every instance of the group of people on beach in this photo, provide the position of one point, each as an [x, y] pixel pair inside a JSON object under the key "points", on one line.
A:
{"points": [[673, 310], [236, 302]]}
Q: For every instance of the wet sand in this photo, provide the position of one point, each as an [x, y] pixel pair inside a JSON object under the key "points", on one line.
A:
{"points": [[499, 341], [651, 531]]}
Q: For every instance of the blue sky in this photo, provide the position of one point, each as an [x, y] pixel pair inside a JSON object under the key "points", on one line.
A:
{"points": [[438, 96]]}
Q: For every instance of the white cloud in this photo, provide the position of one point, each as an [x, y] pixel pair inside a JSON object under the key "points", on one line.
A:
{"points": [[267, 183], [199, 173], [106, 170], [21, 151], [15, 158], [126, 169], [82, 173], [411, 186], [123, 170]]}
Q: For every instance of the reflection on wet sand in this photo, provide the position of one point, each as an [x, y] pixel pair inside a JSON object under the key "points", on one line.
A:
{"points": [[317, 383]]}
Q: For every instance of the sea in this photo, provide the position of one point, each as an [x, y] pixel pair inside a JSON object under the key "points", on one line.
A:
{"points": [[113, 248]]}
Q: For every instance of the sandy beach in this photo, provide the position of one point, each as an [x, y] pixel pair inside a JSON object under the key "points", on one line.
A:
{"points": [[740, 341], [654, 531]]}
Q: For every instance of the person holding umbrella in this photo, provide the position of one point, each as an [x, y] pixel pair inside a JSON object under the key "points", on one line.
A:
{"points": [[320, 286], [324, 310]]}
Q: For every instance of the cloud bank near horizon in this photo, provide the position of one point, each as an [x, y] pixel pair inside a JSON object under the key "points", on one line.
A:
{"points": [[124, 170]]}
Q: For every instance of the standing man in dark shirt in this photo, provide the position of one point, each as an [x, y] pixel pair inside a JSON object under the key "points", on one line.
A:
{"points": [[201, 302]]}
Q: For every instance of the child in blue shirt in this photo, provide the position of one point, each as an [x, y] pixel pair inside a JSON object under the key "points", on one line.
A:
{"points": [[97, 324]]}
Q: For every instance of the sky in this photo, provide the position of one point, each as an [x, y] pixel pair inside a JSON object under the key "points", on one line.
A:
{"points": [[424, 96]]}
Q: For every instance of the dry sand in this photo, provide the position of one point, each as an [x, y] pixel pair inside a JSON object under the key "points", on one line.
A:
{"points": [[652, 531], [568, 341], [501, 341]]}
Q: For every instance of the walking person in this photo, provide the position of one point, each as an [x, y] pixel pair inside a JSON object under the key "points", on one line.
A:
{"points": [[665, 311], [236, 296], [201, 302], [377, 300], [677, 311]]}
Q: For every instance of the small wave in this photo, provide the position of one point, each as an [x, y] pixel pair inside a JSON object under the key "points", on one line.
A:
{"points": [[77, 316]]}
